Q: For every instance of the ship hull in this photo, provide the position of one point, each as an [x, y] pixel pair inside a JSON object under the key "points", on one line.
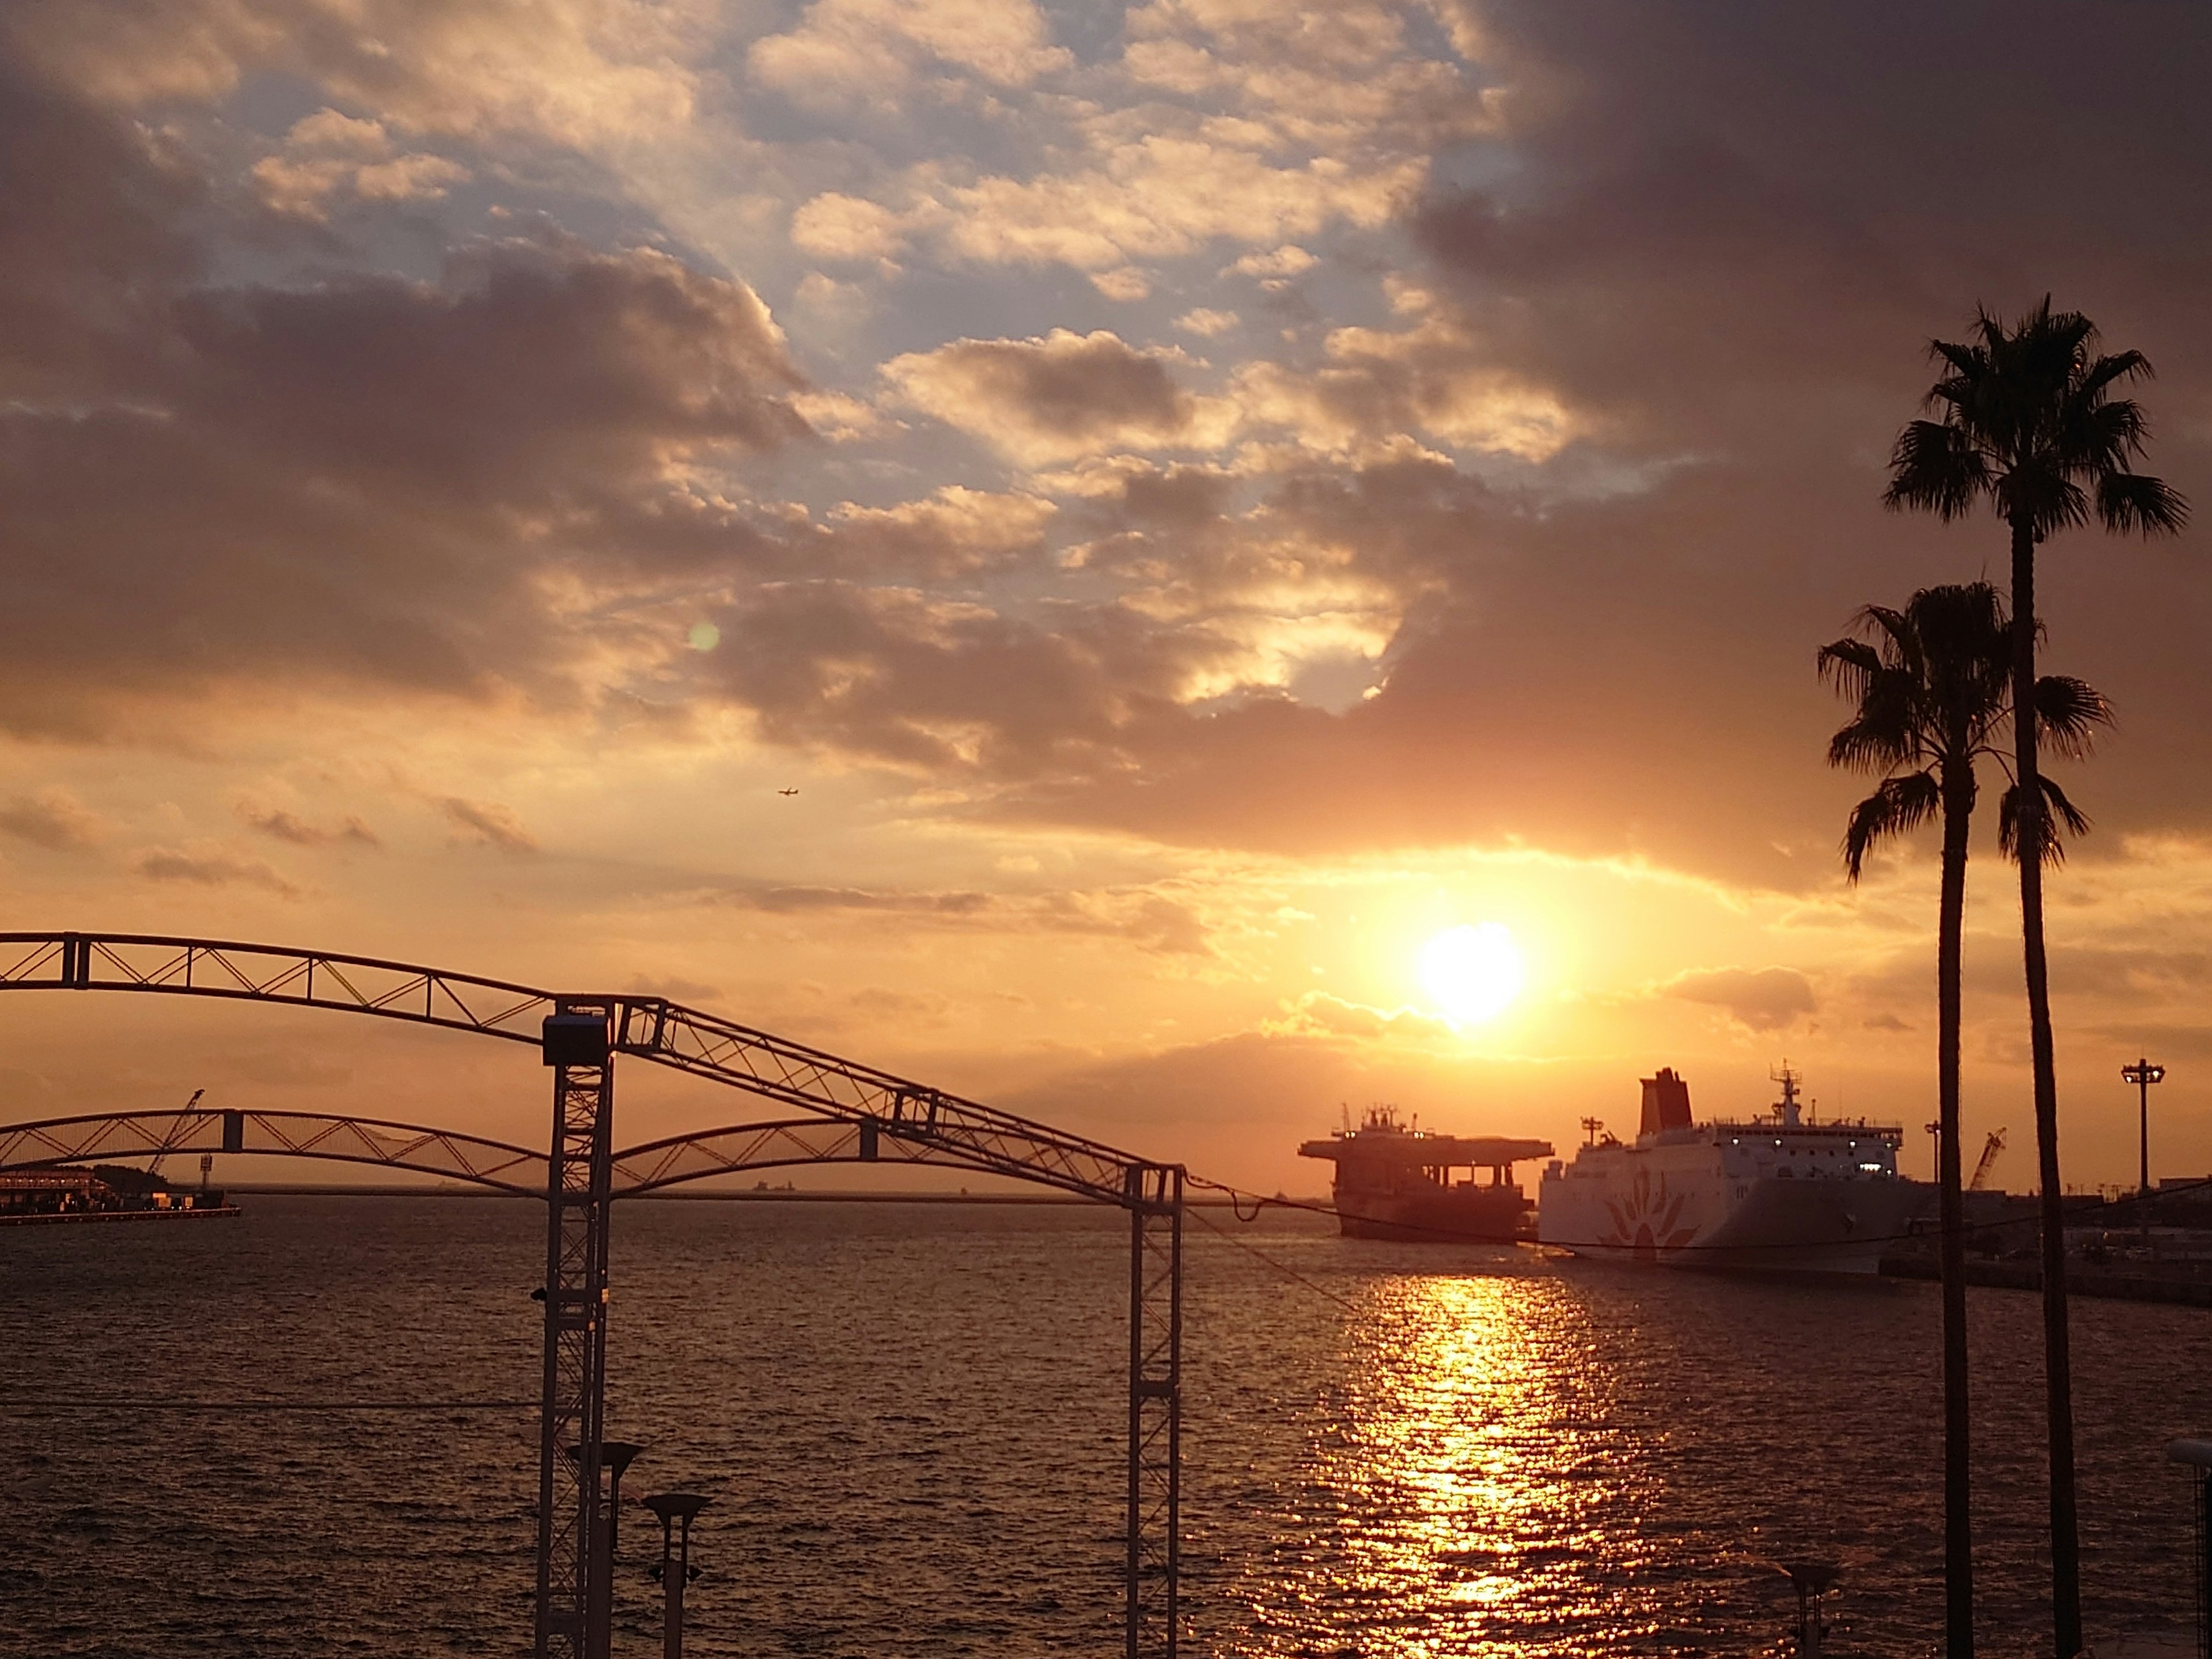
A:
{"points": [[1462, 1215], [1672, 1214]]}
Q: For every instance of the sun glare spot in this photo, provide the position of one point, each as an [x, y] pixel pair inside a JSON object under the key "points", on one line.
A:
{"points": [[1472, 972], [705, 637]]}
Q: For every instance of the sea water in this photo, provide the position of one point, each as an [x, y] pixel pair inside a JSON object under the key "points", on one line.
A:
{"points": [[910, 1420]]}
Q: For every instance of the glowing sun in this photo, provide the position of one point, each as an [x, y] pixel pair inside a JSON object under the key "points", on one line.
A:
{"points": [[1472, 972]]}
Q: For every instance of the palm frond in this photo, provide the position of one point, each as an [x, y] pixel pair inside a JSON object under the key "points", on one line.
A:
{"points": [[1936, 467], [2045, 495], [2134, 501], [2057, 809], [2101, 436], [1849, 665], [1872, 745], [2067, 712], [1899, 805], [2109, 371]]}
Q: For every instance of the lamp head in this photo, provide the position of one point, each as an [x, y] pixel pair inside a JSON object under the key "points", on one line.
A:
{"points": [[677, 1505]]}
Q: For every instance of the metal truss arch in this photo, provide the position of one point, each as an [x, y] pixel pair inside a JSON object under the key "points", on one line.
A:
{"points": [[412, 1146], [855, 1112], [783, 1143], [653, 1029]]}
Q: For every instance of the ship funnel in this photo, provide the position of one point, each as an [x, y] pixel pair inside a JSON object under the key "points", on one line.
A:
{"points": [[1666, 1102]]}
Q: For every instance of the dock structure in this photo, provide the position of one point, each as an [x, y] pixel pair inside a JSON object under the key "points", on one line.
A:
{"points": [[831, 1111]]}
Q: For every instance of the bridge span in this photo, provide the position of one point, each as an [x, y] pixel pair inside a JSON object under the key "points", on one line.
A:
{"points": [[847, 1112]]}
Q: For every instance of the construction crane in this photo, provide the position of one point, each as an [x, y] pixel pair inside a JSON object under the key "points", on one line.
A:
{"points": [[1990, 1148], [154, 1168]]}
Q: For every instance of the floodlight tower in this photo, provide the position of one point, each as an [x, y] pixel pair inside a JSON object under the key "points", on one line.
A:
{"points": [[2142, 1074]]}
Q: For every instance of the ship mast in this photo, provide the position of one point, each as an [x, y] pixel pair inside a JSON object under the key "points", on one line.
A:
{"points": [[1786, 1108]]}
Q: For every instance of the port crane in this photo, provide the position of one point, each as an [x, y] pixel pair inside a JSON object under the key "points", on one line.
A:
{"points": [[154, 1168], [1990, 1148]]}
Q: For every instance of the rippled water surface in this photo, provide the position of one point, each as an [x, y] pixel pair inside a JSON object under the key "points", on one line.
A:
{"points": [[910, 1420]]}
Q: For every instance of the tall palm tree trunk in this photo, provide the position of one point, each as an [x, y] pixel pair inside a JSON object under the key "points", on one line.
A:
{"points": [[1957, 1518], [2057, 1365]]}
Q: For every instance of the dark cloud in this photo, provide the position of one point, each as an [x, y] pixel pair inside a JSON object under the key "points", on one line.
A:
{"points": [[345, 478], [487, 824], [211, 869], [1725, 241], [53, 818], [93, 238], [280, 825], [1060, 397], [899, 677]]}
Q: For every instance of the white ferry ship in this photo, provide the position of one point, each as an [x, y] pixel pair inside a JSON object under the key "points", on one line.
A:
{"points": [[1779, 1191]]}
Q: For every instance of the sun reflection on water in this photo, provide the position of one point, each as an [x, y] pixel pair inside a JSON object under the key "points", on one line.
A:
{"points": [[1470, 1472]]}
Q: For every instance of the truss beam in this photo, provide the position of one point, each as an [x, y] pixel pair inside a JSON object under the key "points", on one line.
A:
{"points": [[492, 1164], [651, 1027], [1153, 1570], [857, 1111], [573, 1591]]}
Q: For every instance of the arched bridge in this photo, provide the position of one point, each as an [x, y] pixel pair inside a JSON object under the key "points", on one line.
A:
{"points": [[848, 1112]]}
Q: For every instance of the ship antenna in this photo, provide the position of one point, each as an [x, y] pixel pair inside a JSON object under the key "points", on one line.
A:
{"points": [[1590, 1127], [1788, 1104]]}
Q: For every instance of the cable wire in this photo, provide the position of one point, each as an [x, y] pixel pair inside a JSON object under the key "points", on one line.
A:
{"points": [[1282, 1267]]}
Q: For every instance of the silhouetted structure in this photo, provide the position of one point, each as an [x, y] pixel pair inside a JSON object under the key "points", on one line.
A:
{"points": [[853, 1112]]}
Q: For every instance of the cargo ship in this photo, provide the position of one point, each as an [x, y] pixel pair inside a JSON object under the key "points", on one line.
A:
{"points": [[1403, 1183], [64, 1193], [1775, 1191]]}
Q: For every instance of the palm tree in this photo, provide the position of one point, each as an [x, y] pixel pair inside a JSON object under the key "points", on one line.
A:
{"points": [[2027, 421], [1931, 682]]}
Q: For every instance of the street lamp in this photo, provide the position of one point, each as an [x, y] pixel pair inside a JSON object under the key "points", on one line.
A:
{"points": [[2142, 1074], [675, 1569], [615, 1456]]}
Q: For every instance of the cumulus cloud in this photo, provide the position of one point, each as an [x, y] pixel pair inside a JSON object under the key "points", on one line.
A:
{"points": [[838, 227], [955, 531], [1273, 265], [1058, 398], [1762, 998], [1162, 196], [53, 818], [573, 71], [328, 151], [1205, 321], [1438, 378], [866, 52]]}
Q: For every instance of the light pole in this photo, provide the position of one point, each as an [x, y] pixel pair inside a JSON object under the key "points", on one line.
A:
{"points": [[2142, 1074], [676, 1570], [615, 1456]]}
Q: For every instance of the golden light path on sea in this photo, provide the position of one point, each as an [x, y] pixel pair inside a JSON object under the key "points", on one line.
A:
{"points": [[1473, 1459]]}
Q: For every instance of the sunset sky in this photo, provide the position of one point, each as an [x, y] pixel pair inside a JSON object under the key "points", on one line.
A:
{"points": [[1197, 499]]}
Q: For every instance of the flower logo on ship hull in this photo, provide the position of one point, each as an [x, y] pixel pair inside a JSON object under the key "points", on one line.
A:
{"points": [[1648, 1221]]}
